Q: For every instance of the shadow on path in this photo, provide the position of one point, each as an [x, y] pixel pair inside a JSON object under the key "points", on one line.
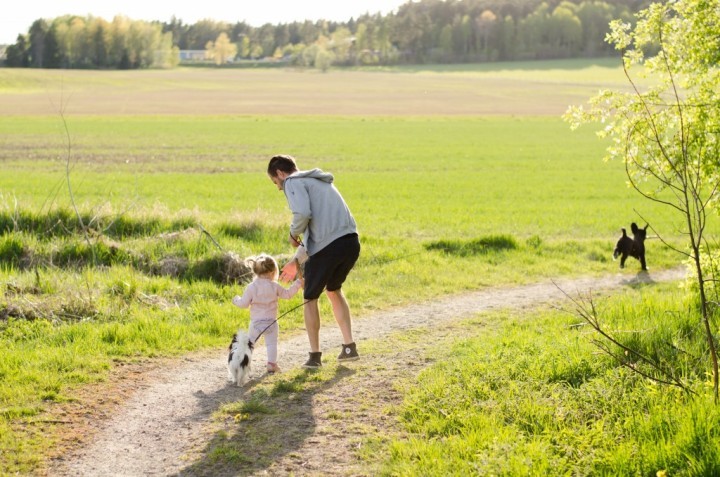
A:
{"points": [[265, 427], [642, 279]]}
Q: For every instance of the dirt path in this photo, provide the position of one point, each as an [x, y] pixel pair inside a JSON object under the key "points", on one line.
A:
{"points": [[157, 423]]}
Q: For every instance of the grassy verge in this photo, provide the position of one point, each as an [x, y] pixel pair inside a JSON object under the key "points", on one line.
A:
{"points": [[536, 397]]}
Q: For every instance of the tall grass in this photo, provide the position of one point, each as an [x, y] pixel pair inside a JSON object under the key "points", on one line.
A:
{"points": [[536, 398]]}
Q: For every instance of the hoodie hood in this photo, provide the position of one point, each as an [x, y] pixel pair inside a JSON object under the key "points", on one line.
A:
{"points": [[314, 174]]}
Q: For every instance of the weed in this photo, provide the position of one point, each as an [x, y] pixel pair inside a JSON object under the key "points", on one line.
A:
{"points": [[534, 242], [64, 223], [286, 387], [95, 303]]}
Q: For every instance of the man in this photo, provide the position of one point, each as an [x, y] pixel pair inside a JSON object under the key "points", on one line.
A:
{"points": [[322, 218]]}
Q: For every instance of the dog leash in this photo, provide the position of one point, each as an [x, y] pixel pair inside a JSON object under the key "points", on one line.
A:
{"points": [[299, 241], [277, 319]]}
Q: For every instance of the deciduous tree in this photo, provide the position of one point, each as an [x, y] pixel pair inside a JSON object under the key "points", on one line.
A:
{"points": [[221, 50], [667, 132]]}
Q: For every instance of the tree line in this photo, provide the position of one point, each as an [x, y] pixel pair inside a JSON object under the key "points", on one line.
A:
{"points": [[426, 31], [90, 42]]}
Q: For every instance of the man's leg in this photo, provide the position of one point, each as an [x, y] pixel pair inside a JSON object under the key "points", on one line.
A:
{"points": [[312, 324], [341, 310]]}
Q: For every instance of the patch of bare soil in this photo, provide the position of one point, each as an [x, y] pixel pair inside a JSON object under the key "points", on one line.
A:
{"points": [[157, 419]]}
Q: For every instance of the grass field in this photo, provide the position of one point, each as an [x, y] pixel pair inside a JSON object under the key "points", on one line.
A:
{"points": [[533, 88], [431, 162]]}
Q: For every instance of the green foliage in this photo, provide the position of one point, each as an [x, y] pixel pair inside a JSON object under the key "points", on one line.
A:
{"points": [[255, 406], [666, 133], [520, 178], [221, 268], [255, 231], [664, 130], [72, 41], [76, 253], [287, 387], [167, 252], [419, 32]]}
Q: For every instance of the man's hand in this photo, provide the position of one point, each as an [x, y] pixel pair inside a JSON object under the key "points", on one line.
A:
{"points": [[289, 271], [295, 242]]}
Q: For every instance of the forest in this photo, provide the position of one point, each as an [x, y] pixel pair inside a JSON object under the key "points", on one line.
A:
{"points": [[426, 31]]}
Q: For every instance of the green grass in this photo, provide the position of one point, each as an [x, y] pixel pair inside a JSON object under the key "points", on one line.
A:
{"points": [[465, 177], [418, 182], [444, 204], [536, 398]]}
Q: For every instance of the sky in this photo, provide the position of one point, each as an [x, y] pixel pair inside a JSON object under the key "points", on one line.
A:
{"points": [[23, 13]]}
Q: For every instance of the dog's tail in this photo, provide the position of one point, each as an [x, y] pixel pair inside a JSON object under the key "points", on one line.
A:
{"points": [[616, 252]]}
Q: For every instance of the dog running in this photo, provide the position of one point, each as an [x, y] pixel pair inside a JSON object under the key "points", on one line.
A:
{"points": [[631, 247], [239, 358]]}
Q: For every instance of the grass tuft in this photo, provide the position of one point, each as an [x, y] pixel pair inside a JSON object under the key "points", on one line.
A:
{"points": [[481, 246], [12, 250], [65, 223], [225, 268], [253, 231]]}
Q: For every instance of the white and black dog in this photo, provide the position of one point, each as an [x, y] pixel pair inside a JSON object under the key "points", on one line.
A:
{"points": [[239, 358]]}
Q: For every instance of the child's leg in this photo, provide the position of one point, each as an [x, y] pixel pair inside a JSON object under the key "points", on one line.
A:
{"points": [[271, 341], [254, 331]]}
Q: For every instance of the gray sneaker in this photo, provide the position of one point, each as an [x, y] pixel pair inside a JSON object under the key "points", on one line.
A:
{"points": [[314, 361], [348, 353]]}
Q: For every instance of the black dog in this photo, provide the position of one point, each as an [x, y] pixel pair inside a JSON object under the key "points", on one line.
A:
{"points": [[633, 247]]}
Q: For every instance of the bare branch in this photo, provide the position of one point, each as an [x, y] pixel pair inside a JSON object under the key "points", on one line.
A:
{"points": [[587, 311]]}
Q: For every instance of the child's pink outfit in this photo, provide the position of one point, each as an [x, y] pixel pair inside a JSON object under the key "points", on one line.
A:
{"points": [[261, 296]]}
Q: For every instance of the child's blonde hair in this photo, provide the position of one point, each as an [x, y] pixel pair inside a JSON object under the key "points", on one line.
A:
{"points": [[262, 264]]}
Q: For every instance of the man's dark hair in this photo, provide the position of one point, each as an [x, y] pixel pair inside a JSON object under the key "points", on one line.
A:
{"points": [[282, 162]]}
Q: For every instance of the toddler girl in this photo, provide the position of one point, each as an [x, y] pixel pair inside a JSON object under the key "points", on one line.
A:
{"points": [[261, 296]]}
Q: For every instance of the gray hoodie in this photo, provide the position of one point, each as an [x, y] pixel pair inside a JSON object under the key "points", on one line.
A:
{"points": [[320, 214]]}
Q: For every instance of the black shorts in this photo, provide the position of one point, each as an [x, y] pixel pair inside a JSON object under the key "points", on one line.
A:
{"points": [[329, 268]]}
